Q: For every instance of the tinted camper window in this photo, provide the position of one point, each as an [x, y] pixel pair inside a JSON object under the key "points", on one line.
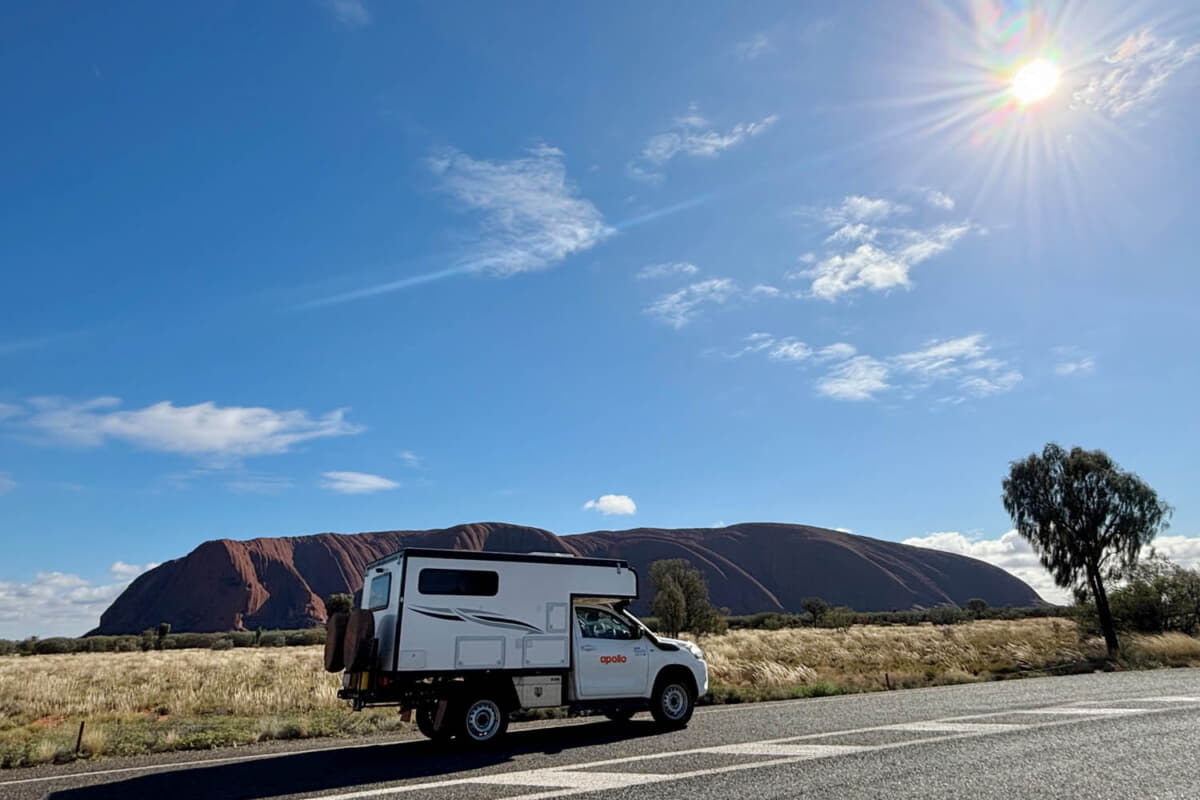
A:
{"points": [[458, 581], [381, 590]]}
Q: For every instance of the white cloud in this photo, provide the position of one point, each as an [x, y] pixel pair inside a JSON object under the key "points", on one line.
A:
{"points": [[667, 270], [965, 364], [1136, 72], [865, 254], [1012, 553], [681, 307], [939, 199], [532, 216], [7, 484], [60, 604], [691, 136], [836, 351], [610, 504], [763, 290], [790, 349], [409, 458], [753, 47], [356, 482], [859, 378], [8, 410], [204, 430], [860, 208], [964, 361], [351, 13]]}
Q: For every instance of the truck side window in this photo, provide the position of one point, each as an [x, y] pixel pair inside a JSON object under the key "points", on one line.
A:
{"points": [[381, 591], [597, 624], [471, 582]]}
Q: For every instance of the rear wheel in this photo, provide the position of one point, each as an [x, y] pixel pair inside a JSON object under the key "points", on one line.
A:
{"points": [[426, 719], [673, 703], [481, 721]]}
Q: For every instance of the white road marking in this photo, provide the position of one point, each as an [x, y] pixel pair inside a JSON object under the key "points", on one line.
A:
{"points": [[943, 726], [792, 751], [572, 779], [1081, 711]]}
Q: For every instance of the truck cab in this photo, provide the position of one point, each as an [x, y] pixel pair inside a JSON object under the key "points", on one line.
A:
{"points": [[467, 640]]}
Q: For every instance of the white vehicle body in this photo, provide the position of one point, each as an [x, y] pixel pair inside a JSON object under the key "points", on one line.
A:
{"points": [[528, 630]]}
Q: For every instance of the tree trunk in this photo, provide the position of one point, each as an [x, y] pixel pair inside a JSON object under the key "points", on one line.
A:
{"points": [[1104, 613]]}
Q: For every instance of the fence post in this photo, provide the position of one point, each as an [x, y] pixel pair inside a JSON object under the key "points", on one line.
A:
{"points": [[79, 739]]}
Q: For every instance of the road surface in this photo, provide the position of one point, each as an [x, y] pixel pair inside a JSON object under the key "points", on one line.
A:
{"points": [[1118, 735]]}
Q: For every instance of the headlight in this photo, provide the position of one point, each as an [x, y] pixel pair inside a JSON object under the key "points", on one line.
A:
{"points": [[694, 650]]}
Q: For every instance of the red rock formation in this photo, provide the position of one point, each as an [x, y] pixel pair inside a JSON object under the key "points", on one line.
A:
{"points": [[281, 582]]}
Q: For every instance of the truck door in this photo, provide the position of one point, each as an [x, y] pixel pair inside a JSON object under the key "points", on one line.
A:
{"points": [[611, 657]]}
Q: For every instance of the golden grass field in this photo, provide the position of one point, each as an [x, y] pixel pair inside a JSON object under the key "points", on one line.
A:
{"points": [[192, 699]]}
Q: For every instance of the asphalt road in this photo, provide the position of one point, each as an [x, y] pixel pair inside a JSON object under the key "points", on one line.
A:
{"points": [[1118, 735]]}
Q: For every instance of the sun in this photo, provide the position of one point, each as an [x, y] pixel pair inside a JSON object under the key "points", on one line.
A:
{"points": [[1034, 81]]}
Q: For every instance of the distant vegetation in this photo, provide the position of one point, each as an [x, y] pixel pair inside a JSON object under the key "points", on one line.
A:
{"points": [[160, 639]]}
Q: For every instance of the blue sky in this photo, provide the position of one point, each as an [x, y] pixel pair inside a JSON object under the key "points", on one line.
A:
{"points": [[282, 268]]}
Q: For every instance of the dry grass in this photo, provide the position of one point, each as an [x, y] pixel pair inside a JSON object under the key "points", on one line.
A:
{"points": [[189, 699], [867, 657]]}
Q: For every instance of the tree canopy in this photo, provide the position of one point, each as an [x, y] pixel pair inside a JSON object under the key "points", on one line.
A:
{"points": [[1086, 519], [681, 600]]}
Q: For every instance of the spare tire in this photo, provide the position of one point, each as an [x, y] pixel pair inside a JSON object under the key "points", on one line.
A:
{"points": [[356, 645], [335, 635]]}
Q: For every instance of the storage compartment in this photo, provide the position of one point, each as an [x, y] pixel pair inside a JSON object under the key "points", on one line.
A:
{"points": [[539, 691]]}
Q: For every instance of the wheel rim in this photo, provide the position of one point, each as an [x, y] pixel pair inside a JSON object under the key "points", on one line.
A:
{"points": [[483, 720], [674, 701]]}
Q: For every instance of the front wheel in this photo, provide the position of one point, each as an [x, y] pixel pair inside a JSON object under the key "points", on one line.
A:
{"points": [[481, 721], [673, 703]]}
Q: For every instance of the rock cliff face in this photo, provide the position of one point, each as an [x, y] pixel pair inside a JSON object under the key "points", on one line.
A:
{"points": [[281, 582]]}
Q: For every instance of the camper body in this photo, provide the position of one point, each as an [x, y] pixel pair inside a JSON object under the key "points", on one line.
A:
{"points": [[465, 639]]}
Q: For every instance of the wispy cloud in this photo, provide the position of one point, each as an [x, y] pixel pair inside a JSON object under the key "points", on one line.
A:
{"points": [[59, 603], [351, 13], [753, 47], [857, 378], [1135, 72], [356, 482], [1071, 361], [258, 483], [205, 430], [612, 504], [409, 458], [865, 253], [691, 135], [666, 270], [7, 484], [531, 216], [956, 368], [681, 307]]}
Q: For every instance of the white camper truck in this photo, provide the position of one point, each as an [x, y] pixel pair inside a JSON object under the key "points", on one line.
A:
{"points": [[465, 639]]}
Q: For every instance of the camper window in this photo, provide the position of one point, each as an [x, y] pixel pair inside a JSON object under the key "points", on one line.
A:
{"points": [[597, 624], [381, 590], [479, 583]]}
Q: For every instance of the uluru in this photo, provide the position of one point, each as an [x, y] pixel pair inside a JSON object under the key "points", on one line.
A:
{"points": [[280, 582]]}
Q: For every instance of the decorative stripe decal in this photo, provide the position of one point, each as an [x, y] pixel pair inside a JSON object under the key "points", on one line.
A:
{"points": [[477, 616]]}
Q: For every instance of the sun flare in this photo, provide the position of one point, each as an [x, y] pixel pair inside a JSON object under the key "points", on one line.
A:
{"points": [[1034, 81]]}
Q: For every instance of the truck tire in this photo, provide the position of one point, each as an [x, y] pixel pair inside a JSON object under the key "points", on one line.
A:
{"points": [[427, 715], [356, 645], [335, 634], [481, 720], [673, 702]]}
